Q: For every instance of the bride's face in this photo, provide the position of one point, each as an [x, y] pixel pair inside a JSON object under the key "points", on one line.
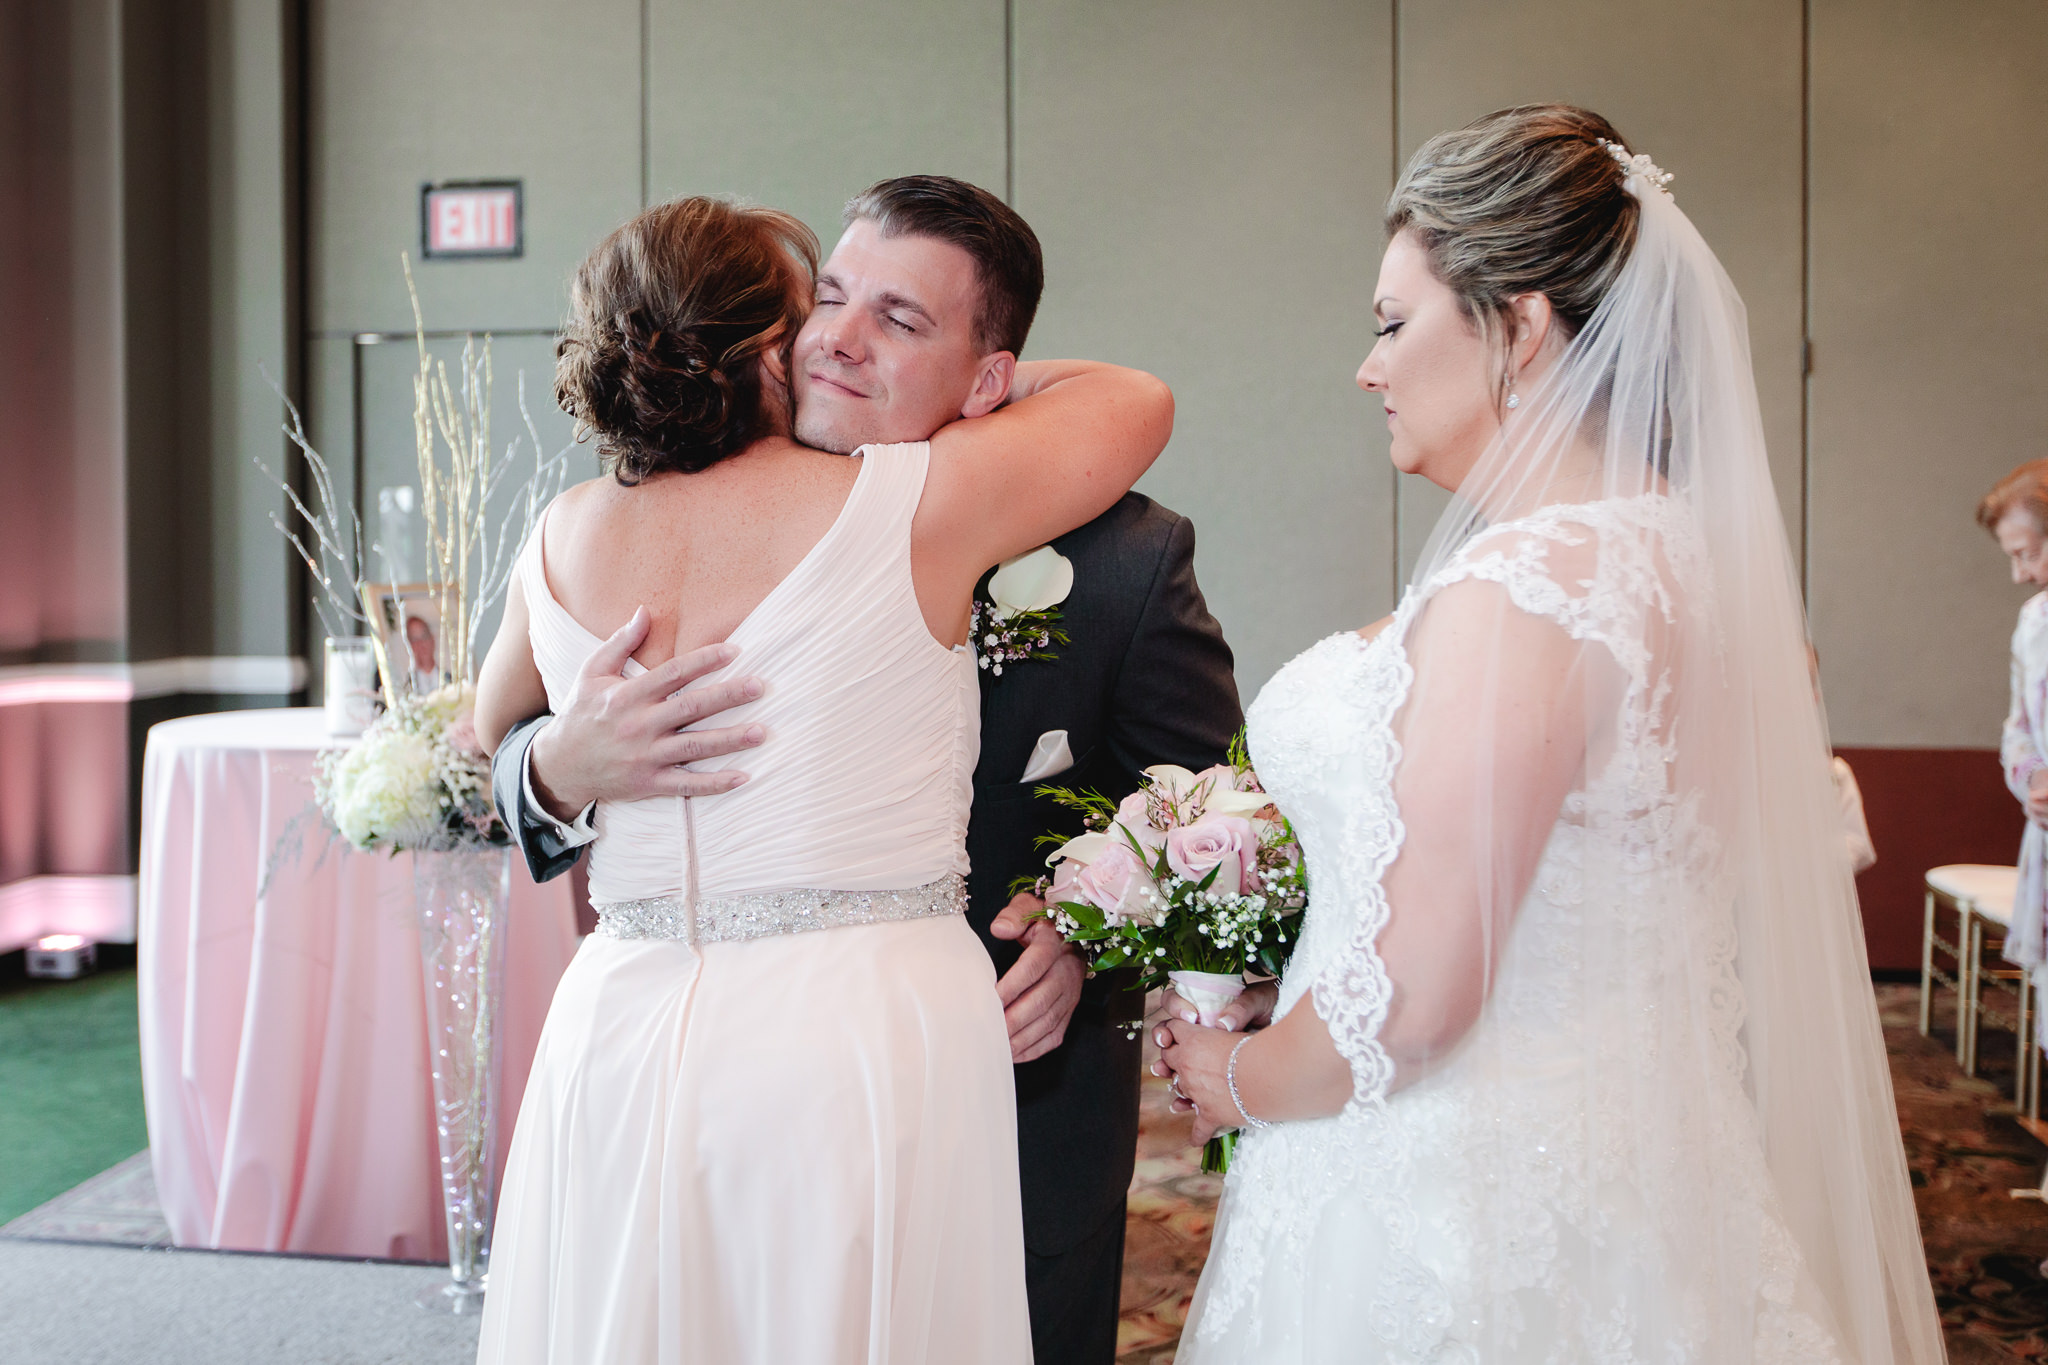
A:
{"points": [[1431, 368]]}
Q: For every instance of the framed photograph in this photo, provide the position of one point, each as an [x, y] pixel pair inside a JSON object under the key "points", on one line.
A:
{"points": [[409, 618]]}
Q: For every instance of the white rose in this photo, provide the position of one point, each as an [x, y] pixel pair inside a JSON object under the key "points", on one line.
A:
{"points": [[1031, 582]]}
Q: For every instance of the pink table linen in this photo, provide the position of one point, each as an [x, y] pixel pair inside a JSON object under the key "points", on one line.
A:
{"points": [[284, 1038]]}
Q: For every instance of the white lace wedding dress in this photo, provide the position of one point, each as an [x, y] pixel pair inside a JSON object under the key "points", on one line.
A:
{"points": [[1582, 1179]]}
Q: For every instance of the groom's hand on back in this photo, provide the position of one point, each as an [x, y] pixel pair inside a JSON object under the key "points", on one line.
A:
{"points": [[1043, 985], [623, 739]]}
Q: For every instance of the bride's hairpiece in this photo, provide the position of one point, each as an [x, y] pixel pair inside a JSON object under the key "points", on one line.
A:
{"points": [[1639, 164]]}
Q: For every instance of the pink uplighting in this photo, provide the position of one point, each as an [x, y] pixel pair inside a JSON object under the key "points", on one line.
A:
{"points": [[43, 910], [39, 690], [60, 943]]}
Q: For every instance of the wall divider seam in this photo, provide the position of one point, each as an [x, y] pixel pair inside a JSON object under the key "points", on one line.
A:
{"points": [[1010, 102], [1806, 305], [646, 124], [1393, 177], [299, 633]]}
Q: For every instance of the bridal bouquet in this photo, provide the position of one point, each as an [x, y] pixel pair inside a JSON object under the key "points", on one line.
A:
{"points": [[1194, 879]]}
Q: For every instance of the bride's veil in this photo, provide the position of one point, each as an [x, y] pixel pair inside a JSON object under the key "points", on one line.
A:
{"points": [[1735, 976]]}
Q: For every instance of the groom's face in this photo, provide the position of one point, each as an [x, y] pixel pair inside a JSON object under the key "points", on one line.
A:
{"points": [[889, 352]]}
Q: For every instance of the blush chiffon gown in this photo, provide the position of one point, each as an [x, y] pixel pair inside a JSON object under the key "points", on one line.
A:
{"points": [[772, 1118]]}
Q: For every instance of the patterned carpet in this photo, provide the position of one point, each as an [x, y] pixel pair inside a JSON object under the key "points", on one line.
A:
{"points": [[1166, 1236], [118, 1207], [1967, 1153], [1965, 1149]]}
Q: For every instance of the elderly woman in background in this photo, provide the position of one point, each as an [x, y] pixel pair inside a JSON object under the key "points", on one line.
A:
{"points": [[2015, 512]]}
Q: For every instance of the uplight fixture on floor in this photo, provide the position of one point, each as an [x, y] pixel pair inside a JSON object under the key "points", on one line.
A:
{"points": [[60, 957]]}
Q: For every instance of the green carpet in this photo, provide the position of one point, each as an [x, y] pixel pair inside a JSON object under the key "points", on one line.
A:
{"points": [[70, 1079]]}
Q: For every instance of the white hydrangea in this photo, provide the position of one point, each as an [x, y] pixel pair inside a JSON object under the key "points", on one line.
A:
{"points": [[386, 790]]}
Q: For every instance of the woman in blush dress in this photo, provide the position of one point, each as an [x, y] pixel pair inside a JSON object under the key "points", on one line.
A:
{"points": [[1577, 1057], [771, 1118]]}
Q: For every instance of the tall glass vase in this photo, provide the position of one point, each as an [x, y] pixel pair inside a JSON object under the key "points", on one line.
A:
{"points": [[461, 895]]}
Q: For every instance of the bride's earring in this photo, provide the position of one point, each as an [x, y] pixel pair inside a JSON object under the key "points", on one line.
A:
{"points": [[1514, 400]]}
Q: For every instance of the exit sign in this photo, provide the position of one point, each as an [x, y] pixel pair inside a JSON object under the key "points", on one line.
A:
{"points": [[471, 218]]}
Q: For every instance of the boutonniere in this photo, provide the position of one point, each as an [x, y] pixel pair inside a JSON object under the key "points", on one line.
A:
{"points": [[1019, 617]]}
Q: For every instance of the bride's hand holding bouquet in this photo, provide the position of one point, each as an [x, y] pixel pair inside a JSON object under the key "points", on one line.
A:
{"points": [[1194, 879], [1253, 1009]]}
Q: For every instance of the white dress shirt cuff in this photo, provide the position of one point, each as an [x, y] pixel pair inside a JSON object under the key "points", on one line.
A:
{"points": [[574, 835]]}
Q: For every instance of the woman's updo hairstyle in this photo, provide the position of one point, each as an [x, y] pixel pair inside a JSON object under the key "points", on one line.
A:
{"points": [[669, 319], [1524, 201]]}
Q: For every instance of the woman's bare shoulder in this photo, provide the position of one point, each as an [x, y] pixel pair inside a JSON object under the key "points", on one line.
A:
{"points": [[601, 507], [573, 506], [582, 518]]}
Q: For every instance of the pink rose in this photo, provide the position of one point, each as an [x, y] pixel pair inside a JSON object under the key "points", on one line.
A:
{"points": [[1119, 885], [1224, 843], [1130, 815], [1064, 874]]}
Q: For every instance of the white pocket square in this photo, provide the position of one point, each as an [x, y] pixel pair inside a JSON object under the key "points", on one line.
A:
{"points": [[1049, 757]]}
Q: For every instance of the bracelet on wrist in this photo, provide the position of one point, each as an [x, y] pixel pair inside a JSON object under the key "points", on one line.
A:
{"points": [[1230, 1079]]}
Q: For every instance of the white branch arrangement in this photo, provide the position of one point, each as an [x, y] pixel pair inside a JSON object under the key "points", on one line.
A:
{"points": [[469, 560]]}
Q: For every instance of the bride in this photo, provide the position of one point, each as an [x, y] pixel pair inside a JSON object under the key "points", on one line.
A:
{"points": [[1577, 1059], [771, 1118]]}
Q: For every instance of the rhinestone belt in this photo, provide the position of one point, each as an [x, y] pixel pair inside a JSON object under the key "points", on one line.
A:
{"points": [[738, 918]]}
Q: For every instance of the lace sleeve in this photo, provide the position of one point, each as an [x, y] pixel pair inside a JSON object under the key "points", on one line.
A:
{"points": [[1336, 955], [1602, 572]]}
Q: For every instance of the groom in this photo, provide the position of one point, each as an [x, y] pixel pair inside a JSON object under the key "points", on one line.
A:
{"points": [[924, 304]]}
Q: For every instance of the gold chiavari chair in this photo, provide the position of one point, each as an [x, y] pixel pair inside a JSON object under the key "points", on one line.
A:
{"points": [[1979, 898]]}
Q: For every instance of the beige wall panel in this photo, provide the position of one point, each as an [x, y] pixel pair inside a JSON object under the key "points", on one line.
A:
{"points": [[390, 455], [1206, 179], [248, 268], [788, 103], [1930, 276], [409, 91], [1713, 92]]}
